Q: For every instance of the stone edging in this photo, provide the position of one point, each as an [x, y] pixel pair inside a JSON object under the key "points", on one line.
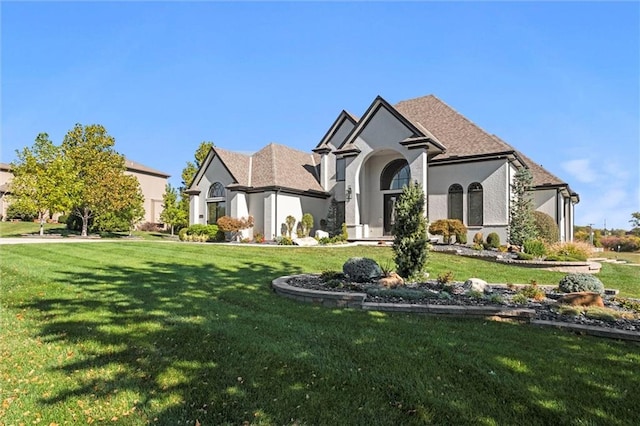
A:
{"points": [[357, 300]]}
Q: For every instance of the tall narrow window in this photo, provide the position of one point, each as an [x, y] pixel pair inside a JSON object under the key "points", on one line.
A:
{"points": [[216, 203], [396, 175], [454, 207], [340, 169], [476, 204]]}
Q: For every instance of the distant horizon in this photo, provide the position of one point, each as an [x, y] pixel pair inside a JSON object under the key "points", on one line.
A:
{"points": [[555, 80]]}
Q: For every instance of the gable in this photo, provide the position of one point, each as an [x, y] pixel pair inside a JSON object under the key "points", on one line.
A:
{"points": [[337, 133]]}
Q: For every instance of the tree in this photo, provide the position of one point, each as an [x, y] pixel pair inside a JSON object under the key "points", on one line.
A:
{"points": [[410, 244], [172, 214], [43, 180], [102, 186], [126, 207], [521, 220], [635, 222], [189, 173]]}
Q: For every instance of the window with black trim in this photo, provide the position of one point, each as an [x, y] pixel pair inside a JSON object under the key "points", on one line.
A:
{"points": [[216, 203], [341, 166], [476, 204], [396, 175], [454, 205]]}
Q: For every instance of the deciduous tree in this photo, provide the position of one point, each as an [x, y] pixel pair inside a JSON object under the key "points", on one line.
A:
{"points": [[172, 214], [44, 180]]}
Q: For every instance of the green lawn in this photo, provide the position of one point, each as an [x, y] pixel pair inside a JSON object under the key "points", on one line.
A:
{"points": [[171, 333], [19, 229]]}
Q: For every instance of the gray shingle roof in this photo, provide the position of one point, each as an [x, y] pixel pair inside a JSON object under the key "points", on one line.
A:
{"points": [[274, 165], [133, 166]]}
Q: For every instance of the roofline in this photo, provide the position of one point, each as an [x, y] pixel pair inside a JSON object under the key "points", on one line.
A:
{"points": [[276, 188], [474, 158], [337, 123]]}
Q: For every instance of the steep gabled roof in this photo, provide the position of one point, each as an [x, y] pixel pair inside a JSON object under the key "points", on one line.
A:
{"points": [[458, 134], [238, 164], [419, 137], [343, 117]]}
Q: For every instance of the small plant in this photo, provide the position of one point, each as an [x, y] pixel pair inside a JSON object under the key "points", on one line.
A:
{"points": [[503, 249], [493, 240], [511, 286], [478, 247], [536, 248], [258, 238], [475, 294], [445, 277], [445, 295], [290, 222], [461, 237], [519, 299], [334, 283], [447, 228], [570, 310], [524, 256], [496, 299], [533, 292], [331, 275], [307, 224], [284, 241], [572, 283], [632, 305], [478, 239], [572, 250], [387, 268]]}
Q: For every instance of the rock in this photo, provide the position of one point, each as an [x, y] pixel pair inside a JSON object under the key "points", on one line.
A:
{"points": [[321, 234], [391, 281], [476, 284], [362, 269], [582, 298], [305, 242]]}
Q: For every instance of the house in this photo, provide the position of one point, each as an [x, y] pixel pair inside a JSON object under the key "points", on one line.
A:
{"points": [[152, 184], [361, 164]]}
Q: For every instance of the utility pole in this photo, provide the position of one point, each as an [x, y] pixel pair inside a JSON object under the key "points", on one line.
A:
{"points": [[591, 232]]}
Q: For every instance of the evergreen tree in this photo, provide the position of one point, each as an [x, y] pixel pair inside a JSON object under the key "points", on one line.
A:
{"points": [[410, 244], [522, 225]]}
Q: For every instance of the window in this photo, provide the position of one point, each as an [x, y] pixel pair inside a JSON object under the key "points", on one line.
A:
{"points": [[454, 206], [216, 191], [216, 203], [476, 203], [341, 166], [395, 175]]}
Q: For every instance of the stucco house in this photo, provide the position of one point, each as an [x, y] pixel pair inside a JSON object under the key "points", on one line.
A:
{"points": [[363, 163], [152, 184]]}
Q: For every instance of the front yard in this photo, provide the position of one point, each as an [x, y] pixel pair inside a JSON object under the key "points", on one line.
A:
{"points": [[174, 333]]}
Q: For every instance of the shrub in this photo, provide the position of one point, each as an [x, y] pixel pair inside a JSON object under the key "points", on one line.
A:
{"points": [[576, 250], [199, 232], [478, 247], [581, 282], [234, 225], [15, 211], [546, 227], [535, 248], [284, 241], [258, 238], [182, 234], [627, 243], [478, 239], [410, 244], [493, 240], [362, 269], [524, 256], [445, 277], [148, 227], [307, 224], [63, 218], [519, 299], [290, 222], [461, 238], [447, 228], [533, 292], [331, 275]]}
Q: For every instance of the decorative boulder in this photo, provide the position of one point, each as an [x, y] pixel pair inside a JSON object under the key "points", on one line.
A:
{"points": [[582, 298], [321, 234], [305, 242], [391, 281], [362, 269], [476, 284]]}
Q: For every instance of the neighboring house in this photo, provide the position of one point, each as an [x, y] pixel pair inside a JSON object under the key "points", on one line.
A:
{"points": [[152, 183], [5, 190], [363, 163]]}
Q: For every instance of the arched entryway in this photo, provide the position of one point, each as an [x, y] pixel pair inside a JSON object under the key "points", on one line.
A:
{"points": [[393, 178]]}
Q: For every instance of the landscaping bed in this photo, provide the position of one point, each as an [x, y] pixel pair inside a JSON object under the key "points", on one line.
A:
{"points": [[618, 313]]}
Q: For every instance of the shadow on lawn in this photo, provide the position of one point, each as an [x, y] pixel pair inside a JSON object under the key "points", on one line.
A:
{"points": [[212, 343]]}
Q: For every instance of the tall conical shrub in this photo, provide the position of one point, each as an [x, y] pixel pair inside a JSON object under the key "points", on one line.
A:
{"points": [[410, 244]]}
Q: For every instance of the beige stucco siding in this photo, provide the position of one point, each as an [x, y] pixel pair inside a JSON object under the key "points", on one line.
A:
{"points": [[216, 172], [5, 177], [152, 187], [546, 201]]}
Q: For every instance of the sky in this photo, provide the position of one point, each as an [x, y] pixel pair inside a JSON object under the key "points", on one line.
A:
{"points": [[559, 81]]}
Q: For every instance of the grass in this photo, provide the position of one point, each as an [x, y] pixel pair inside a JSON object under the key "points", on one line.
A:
{"points": [[168, 334], [19, 229], [626, 256]]}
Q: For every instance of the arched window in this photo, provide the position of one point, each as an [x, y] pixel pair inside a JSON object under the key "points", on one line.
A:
{"points": [[216, 203], [216, 190], [395, 175], [454, 206], [475, 204]]}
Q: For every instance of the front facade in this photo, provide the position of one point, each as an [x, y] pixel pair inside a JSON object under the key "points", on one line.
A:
{"points": [[362, 165]]}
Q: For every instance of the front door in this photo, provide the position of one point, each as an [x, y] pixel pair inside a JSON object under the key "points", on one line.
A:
{"points": [[389, 212]]}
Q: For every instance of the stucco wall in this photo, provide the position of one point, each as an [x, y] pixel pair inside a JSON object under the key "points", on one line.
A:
{"points": [[492, 175], [546, 202], [153, 188], [216, 172]]}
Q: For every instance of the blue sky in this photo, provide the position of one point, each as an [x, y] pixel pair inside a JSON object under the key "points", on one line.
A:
{"points": [[557, 80]]}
